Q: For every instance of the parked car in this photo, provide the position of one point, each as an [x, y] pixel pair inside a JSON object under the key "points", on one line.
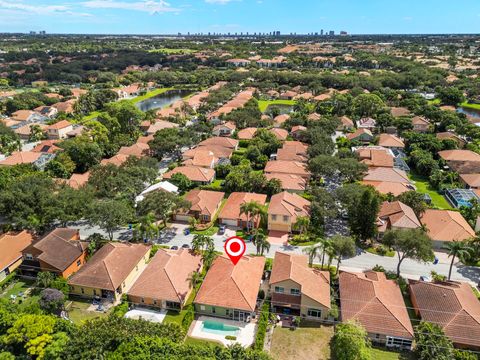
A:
{"points": [[174, 247], [221, 229], [185, 246]]}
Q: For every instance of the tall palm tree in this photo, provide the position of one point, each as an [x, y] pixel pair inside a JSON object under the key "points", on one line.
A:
{"points": [[208, 256], [456, 249], [146, 227], [193, 280], [326, 246], [312, 252], [261, 243], [251, 210], [302, 224], [200, 242]]}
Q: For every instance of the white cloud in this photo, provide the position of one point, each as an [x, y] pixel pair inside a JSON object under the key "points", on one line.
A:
{"points": [[150, 6], [221, 2], [37, 9]]}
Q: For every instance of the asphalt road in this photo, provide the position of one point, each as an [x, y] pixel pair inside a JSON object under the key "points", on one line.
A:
{"points": [[411, 269]]}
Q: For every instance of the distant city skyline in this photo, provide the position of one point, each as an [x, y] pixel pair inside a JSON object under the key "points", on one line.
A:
{"points": [[239, 16]]}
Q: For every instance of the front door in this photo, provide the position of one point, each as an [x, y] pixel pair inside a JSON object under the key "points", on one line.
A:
{"points": [[238, 315]]}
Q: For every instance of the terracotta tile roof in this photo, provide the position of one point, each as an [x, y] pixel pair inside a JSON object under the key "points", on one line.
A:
{"points": [[160, 125], [388, 140], [472, 180], [387, 187], [76, 181], [240, 282], [358, 133], [451, 305], [459, 155], [194, 173], [21, 157], [418, 120], [289, 204], [116, 160], [11, 247], [220, 141], [60, 248], [298, 128], [216, 150], [65, 106], [22, 115], [399, 111], [145, 139], [375, 302], [452, 136], [366, 123], [322, 97], [397, 215], [25, 130], [137, 150], [314, 117], [202, 158], [280, 119], [287, 167], [315, 284], [375, 157], [280, 134], [110, 266], [247, 133], [47, 146], [289, 182], [446, 225], [205, 202], [387, 174], [346, 122], [229, 125], [166, 277], [60, 125], [231, 209]]}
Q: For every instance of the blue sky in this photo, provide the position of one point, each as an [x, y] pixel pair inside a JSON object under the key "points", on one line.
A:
{"points": [[301, 16]]}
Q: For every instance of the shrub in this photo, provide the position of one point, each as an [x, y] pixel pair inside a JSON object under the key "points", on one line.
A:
{"points": [[121, 309], [230, 337], [378, 268], [262, 327], [188, 318]]}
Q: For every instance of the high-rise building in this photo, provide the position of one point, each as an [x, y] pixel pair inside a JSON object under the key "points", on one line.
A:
{"points": [[321, 32], [331, 33]]}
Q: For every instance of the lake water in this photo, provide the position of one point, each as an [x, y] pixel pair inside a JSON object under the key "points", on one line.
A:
{"points": [[282, 109], [162, 100], [470, 112]]}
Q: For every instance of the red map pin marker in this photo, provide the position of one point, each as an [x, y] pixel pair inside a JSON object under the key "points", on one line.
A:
{"points": [[235, 248]]}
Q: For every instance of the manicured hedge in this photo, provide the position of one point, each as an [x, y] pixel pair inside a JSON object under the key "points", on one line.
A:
{"points": [[262, 327]]}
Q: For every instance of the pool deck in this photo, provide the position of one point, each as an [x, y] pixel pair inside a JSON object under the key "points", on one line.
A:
{"points": [[245, 337], [147, 314]]}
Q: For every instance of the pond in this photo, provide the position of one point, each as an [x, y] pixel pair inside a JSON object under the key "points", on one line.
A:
{"points": [[282, 109], [162, 100], [470, 112]]}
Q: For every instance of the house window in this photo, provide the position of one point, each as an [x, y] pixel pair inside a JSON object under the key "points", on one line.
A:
{"points": [[94, 292], [213, 310], [82, 290], [314, 313], [295, 292], [79, 262], [274, 217], [29, 256], [154, 302], [202, 307], [142, 300], [173, 305], [285, 218], [227, 312], [279, 289]]}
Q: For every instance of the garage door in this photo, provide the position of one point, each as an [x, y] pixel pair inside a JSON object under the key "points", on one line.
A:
{"points": [[184, 218], [229, 222]]}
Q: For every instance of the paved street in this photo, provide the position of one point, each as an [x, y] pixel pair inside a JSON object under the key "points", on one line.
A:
{"points": [[363, 261]]}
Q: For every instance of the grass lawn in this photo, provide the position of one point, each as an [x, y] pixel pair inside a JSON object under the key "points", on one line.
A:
{"points": [[382, 354], [435, 102], [91, 116], [470, 106], [264, 104], [150, 94], [172, 51], [374, 251], [304, 343], [77, 312], [15, 288], [177, 316], [423, 186], [193, 341], [209, 232]]}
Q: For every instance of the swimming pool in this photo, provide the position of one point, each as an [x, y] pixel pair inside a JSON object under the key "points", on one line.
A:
{"points": [[215, 327]]}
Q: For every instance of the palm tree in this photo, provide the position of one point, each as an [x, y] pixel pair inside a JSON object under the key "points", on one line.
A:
{"points": [[208, 256], [312, 252], [44, 279], [193, 280], [261, 242], [458, 249], [302, 224], [251, 210], [327, 249], [343, 246], [200, 242], [146, 227]]}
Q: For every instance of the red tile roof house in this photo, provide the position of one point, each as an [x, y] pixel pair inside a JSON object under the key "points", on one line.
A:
{"points": [[202, 157], [293, 151], [298, 131], [220, 141], [280, 134], [285, 209], [111, 271], [21, 157], [291, 183], [362, 135], [60, 252], [59, 130], [396, 215], [388, 180], [230, 213], [230, 291], [421, 124], [451, 305], [47, 146], [461, 161], [297, 289], [205, 205], [225, 129], [366, 123], [165, 281], [287, 167], [11, 247], [198, 175], [138, 150], [377, 304], [247, 133], [444, 226], [390, 141], [471, 181]]}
